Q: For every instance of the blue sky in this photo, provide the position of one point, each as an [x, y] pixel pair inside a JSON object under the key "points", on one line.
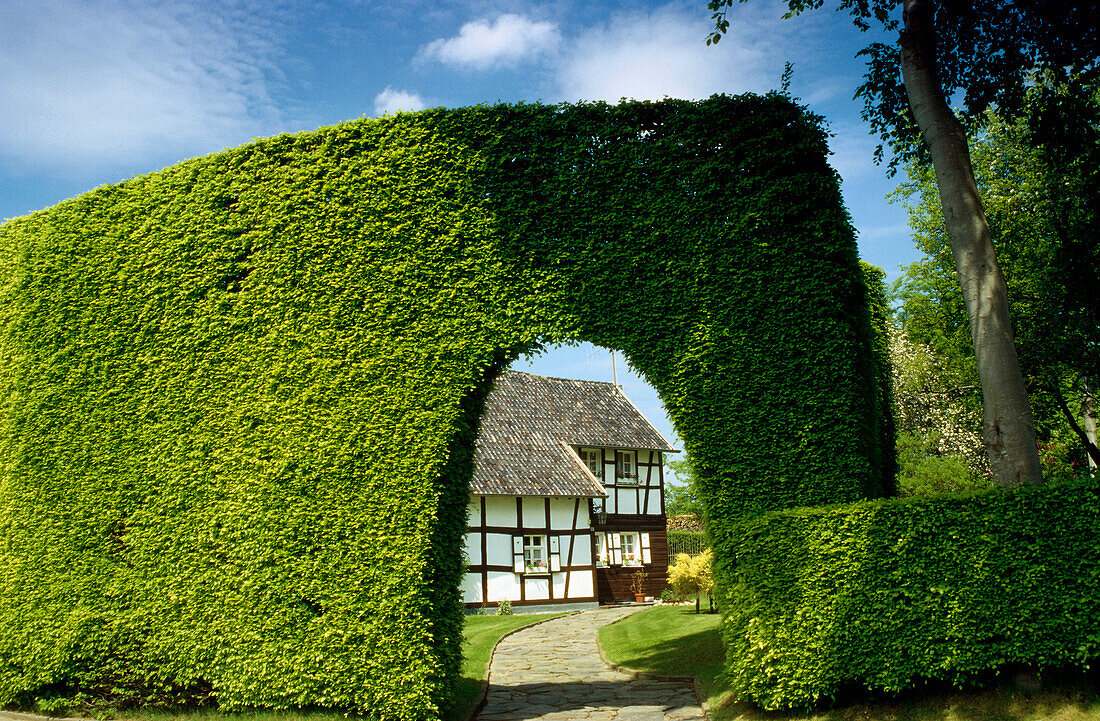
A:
{"points": [[95, 91]]}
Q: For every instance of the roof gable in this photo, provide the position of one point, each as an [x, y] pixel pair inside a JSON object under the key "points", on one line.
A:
{"points": [[529, 424]]}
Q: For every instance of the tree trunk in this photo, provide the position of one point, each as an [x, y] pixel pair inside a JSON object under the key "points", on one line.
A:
{"points": [[1088, 410], [1087, 436], [1009, 429]]}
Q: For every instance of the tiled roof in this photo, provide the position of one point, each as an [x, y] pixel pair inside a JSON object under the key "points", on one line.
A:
{"points": [[529, 424]]}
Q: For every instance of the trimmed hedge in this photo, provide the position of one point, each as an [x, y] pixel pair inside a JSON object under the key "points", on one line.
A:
{"points": [[238, 397], [891, 594]]}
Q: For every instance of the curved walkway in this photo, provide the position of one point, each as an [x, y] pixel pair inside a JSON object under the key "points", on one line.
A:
{"points": [[554, 672]]}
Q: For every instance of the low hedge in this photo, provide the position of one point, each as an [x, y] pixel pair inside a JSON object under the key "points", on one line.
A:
{"points": [[889, 595]]}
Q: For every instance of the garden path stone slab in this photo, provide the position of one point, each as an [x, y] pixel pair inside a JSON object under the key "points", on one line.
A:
{"points": [[554, 672]]}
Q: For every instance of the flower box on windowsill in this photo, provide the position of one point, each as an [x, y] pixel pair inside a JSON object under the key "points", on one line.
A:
{"points": [[626, 480]]}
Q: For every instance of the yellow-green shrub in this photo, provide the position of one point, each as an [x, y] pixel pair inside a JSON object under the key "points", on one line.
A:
{"points": [[691, 576]]}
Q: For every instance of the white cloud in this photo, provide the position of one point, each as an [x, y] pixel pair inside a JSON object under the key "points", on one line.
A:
{"points": [[505, 41], [392, 101], [108, 82], [647, 55]]}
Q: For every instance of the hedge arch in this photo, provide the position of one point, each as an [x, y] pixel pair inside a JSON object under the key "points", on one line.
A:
{"points": [[239, 395]]}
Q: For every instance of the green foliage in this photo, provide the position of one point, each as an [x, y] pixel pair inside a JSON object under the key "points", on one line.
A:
{"points": [[691, 576], [891, 594], [937, 414], [988, 52], [923, 471], [238, 397], [881, 392], [504, 608], [682, 494], [1043, 202]]}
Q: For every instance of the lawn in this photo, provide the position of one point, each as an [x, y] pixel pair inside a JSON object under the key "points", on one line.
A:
{"points": [[479, 636], [674, 641], [671, 641]]}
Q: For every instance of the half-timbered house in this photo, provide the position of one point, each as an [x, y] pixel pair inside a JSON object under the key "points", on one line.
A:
{"points": [[567, 498]]}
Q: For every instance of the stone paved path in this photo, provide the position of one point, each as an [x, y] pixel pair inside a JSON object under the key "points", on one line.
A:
{"points": [[553, 672]]}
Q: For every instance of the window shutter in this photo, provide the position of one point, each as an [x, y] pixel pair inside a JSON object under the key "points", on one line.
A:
{"points": [[555, 554], [616, 549], [517, 554], [646, 558]]}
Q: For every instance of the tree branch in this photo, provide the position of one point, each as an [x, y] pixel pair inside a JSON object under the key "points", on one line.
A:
{"points": [[1090, 447]]}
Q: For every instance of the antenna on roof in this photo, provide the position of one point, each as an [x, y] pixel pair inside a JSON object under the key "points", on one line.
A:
{"points": [[614, 373]]}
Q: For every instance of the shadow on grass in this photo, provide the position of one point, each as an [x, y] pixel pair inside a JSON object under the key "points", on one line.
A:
{"points": [[704, 648]]}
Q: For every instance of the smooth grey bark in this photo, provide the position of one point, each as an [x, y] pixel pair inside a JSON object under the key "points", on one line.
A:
{"points": [[1009, 428], [1088, 410]]}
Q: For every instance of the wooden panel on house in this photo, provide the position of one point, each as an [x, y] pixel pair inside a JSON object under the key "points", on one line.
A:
{"points": [[613, 581]]}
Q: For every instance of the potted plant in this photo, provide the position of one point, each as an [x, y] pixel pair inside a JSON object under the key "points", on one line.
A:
{"points": [[626, 477], [637, 584]]}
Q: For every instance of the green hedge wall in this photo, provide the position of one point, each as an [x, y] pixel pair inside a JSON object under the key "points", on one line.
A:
{"points": [[890, 594], [238, 396]]}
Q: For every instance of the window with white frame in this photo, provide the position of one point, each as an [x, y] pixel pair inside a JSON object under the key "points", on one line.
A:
{"points": [[625, 469], [593, 458], [603, 558], [632, 550], [535, 555]]}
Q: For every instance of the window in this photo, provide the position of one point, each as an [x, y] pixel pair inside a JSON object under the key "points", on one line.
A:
{"points": [[593, 458], [625, 471], [632, 552], [534, 554], [603, 559]]}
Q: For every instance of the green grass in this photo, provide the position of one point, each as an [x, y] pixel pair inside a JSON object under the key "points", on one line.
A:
{"points": [[671, 641], [479, 636], [674, 641]]}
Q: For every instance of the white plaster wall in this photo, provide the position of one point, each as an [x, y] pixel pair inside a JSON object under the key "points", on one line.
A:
{"points": [[561, 513], [559, 586], [473, 548], [534, 512], [628, 500], [537, 589], [654, 506], [500, 511], [498, 549], [582, 550], [473, 512], [471, 588], [502, 585], [580, 584]]}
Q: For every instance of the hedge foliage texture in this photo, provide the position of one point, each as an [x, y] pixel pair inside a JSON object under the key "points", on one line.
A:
{"points": [[888, 595], [239, 395]]}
